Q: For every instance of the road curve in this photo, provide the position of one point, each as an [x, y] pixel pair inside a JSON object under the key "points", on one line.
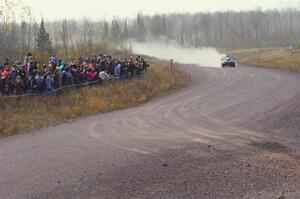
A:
{"points": [[232, 133]]}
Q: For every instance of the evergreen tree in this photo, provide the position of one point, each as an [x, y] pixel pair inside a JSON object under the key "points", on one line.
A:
{"points": [[44, 42]]}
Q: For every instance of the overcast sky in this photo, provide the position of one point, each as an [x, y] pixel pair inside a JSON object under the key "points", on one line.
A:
{"points": [[99, 9]]}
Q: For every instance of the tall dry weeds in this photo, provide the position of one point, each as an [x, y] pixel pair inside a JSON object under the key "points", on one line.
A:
{"points": [[280, 58], [19, 115]]}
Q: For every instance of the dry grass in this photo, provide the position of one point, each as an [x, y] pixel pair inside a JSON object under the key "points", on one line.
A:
{"points": [[30, 113], [269, 57]]}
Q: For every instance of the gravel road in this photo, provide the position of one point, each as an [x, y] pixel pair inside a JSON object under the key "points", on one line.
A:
{"points": [[232, 133]]}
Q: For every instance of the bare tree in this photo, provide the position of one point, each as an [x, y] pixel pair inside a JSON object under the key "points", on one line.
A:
{"points": [[64, 35]]}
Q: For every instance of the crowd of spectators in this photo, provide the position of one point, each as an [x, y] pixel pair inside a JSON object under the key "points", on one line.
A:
{"points": [[28, 77]]}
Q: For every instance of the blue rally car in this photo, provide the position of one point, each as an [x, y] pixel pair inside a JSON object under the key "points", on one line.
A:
{"points": [[229, 61]]}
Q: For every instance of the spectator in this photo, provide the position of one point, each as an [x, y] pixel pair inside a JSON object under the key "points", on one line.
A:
{"points": [[28, 77], [91, 75], [67, 78], [56, 79], [3, 83], [53, 60], [118, 71], [103, 76], [19, 86], [49, 83]]}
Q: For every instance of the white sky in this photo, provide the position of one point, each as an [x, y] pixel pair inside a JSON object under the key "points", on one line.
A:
{"points": [[99, 9]]}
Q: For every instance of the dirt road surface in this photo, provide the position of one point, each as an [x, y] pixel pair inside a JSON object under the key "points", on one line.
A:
{"points": [[232, 133]]}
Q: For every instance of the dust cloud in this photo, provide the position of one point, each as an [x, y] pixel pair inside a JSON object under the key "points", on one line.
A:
{"points": [[207, 57]]}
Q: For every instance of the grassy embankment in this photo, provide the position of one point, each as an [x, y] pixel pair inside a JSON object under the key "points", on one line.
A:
{"points": [[19, 115], [269, 57]]}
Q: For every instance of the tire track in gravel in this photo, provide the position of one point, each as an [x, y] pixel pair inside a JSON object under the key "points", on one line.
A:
{"points": [[232, 133]]}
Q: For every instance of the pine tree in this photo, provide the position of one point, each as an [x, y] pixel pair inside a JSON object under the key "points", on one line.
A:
{"points": [[44, 42]]}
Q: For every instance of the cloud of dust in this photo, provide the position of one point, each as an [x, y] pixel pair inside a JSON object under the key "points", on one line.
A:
{"points": [[208, 57]]}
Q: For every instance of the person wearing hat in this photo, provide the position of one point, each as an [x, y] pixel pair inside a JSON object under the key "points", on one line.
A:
{"points": [[3, 83], [5, 74]]}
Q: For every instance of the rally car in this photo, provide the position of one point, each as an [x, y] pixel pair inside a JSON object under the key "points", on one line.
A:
{"points": [[229, 61]]}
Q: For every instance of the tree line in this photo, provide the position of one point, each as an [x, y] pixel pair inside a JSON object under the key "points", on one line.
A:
{"points": [[230, 29]]}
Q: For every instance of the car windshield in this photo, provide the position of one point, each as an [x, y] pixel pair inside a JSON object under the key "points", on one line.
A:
{"points": [[230, 58]]}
